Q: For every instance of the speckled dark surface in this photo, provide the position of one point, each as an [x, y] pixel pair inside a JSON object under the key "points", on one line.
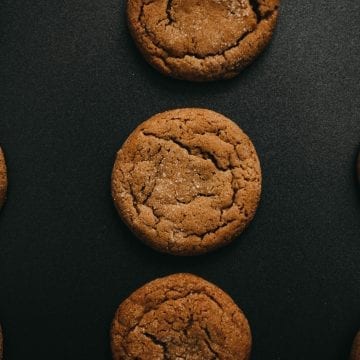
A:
{"points": [[72, 88]]}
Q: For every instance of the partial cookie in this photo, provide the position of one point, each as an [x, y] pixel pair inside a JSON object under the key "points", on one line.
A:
{"points": [[3, 178], [201, 40], [187, 181], [180, 317], [355, 352]]}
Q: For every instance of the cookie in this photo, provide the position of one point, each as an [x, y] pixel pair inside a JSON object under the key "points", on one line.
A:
{"points": [[3, 178], [355, 352], [201, 40], [180, 317], [187, 181]]}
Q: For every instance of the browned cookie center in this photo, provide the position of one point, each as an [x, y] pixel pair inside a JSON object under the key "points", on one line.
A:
{"points": [[3, 178], [180, 317], [187, 181]]}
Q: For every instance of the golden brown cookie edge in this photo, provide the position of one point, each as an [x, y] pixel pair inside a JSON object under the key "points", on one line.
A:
{"points": [[355, 351], [3, 178]]}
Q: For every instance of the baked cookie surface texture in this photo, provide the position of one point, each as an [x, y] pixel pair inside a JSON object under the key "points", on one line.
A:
{"points": [[187, 181], [180, 317], [201, 40]]}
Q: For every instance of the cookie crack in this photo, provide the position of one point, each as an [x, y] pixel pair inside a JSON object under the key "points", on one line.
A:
{"points": [[206, 154], [158, 342], [154, 338], [189, 324], [168, 13], [256, 9], [152, 36], [207, 340], [175, 298], [218, 132], [134, 201], [255, 5], [212, 232], [153, 187], [233, 199]]}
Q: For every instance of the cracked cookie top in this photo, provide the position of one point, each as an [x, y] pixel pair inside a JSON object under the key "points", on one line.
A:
{"points": [[201, 40], [187, 181], [180, 317], [3, 178], [355, 353]]}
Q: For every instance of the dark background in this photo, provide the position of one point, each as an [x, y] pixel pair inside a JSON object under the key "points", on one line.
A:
{"points": [[73, 86]]}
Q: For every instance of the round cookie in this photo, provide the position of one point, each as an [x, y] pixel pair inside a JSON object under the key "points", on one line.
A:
{"points": [[201, 40], [355, 352], [187, 181], [180, 317], [3, 178]]}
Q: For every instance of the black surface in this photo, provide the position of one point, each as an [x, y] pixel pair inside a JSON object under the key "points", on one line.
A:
{"points": [[73, 86]]}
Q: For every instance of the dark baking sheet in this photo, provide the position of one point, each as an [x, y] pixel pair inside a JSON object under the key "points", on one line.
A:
{"points": [[73, 86]]}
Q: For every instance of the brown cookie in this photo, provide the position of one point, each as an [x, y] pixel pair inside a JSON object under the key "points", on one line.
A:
{"points": [[187, 181], [355, 352], [3, 178], [180, 317], [201, 40]]}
